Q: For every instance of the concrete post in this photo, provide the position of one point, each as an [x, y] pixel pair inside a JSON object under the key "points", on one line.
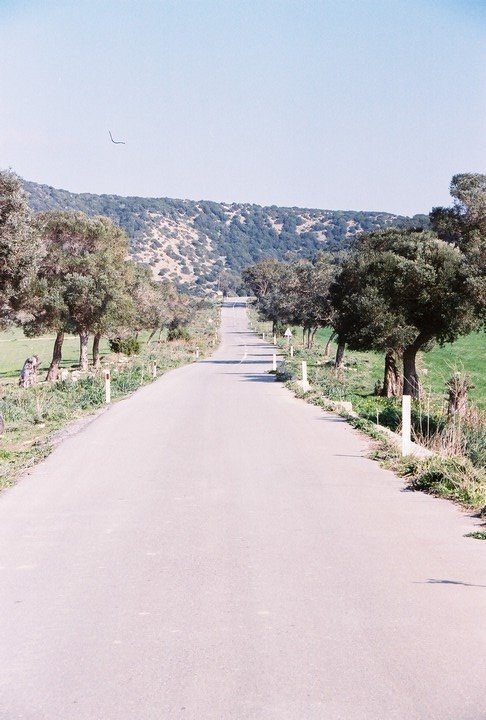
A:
{"points": [[107, 387], [274, 339], [263, 336], [305, 382], [406, 425], [154, 370], [274, 361], [291, 351], [197, 353]]}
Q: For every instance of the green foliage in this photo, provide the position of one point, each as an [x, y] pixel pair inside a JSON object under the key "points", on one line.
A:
{"points": [[127, 346], [242, 234], [477, 534], [20, 248], [178, 333], [403, 290], [451, 477], [284, 372]]}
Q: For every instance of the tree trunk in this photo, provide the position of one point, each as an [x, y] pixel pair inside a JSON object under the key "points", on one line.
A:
{"points": [[392, 383], [312, 336], [53, 371], [339, 361], [307, 332], [83, 351], [411, 382], [328, 344], [96, 351]]}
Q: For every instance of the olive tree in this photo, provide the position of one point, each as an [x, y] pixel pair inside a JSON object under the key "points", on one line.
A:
{"points": [[403, 290]]}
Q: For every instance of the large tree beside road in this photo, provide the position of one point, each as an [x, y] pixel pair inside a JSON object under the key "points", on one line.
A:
{"points": [[82, 280], [403, 290]]}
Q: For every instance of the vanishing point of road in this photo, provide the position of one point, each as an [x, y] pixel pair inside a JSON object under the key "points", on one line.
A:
{"points": [[214, 549]]}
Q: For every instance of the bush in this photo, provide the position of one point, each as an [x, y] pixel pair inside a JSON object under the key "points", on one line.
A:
{"points": [[283, 373], [178, 333], [127, 346], [451, 477]]}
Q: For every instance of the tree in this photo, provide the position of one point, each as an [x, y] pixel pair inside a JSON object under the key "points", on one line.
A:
{"points": [[20, 248], [307, 295], [80, 279], [402, 290], [464, 225], [271, 282]]}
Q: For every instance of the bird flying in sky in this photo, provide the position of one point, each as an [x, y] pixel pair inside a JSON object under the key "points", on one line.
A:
{"points": [[117, 142]]}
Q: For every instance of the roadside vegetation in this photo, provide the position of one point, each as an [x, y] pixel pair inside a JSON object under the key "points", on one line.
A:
{"points": [[401, 313], [72, 305]]}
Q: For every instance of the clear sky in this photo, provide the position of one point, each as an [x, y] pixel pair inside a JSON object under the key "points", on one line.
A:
{"points": [[337, 104]]}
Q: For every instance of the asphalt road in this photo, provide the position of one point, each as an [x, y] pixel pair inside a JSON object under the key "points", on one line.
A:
{"points": [[214, 549]]}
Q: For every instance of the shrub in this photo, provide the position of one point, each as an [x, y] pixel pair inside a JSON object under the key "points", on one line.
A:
{"points": [[452, 477], [178, 333], [127, 346], [283, 373]]}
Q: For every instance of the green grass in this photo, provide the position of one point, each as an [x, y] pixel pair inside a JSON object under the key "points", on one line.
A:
{"points": [[15, 348], [364, 369], [468, 355]]}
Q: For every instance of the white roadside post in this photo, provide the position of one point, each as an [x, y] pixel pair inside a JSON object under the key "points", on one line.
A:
{"points": [[263, 336], [406, 425], [305, 382], [274, 361], [274, 339], [291, 351], [197, 353], [154, 370], [107, 387]]}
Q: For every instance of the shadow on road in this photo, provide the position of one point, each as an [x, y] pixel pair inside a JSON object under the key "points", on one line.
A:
{"points": [[433, 581]]}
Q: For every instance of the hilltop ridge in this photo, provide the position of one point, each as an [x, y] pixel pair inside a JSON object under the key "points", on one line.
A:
{"points": [[195, 243]]}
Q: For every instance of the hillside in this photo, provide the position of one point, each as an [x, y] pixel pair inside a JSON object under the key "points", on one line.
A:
{"points": [[196, 243]]}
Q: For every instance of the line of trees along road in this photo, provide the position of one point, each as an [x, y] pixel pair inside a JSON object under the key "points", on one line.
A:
{"points": [[64, 272], [397, 291]]}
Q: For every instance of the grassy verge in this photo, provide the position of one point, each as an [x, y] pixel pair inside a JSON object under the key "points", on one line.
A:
{"points": [[457, 470], [34, 414]]}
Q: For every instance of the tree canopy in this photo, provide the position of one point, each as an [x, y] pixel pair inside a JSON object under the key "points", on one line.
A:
{"points": [[403, 290]]}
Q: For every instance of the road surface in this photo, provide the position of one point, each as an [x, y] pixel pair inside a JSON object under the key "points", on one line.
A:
{"points": [[214, 549]]}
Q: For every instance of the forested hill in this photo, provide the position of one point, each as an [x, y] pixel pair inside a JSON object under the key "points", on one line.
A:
{"points": [[198, 243]]}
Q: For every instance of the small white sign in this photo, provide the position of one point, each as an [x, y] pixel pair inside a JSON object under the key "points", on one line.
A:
{"points": [[288, 333]]}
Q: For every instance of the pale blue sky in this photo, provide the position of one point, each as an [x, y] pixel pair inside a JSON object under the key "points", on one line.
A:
{"points": [[338, 104]]}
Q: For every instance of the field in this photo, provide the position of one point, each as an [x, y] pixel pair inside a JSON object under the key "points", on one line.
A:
{"points": [[436, 367], [15, 348]]}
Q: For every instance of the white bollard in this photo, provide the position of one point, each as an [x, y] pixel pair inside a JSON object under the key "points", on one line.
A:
{"points": [[291, 351], [107, 387], [263, 336], [197, 353], [154, 370], [406, 425], [274, 339], [274, 361], [305, 382]]}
